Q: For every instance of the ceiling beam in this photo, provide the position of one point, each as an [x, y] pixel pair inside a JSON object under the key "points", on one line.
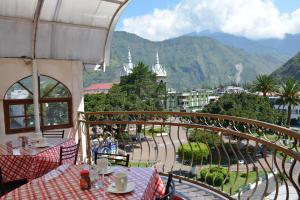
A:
{"points": [[114, 1], [35, 25], [109, 35], [26, 20]]}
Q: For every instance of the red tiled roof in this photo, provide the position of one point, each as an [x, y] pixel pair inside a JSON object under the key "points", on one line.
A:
{"points": [[99, 86]]}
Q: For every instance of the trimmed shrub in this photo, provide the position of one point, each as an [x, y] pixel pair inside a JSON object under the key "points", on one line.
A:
{"points": [[211, 138], [215, 176], [199, 150], [244, 175]]}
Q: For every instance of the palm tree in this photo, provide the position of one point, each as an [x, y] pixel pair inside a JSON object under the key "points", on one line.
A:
{"points": [[265, 84], [290, 96]]}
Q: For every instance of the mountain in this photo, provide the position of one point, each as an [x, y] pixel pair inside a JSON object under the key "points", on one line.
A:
{"points": [[285, 47], [291, 69], [190, 61]]}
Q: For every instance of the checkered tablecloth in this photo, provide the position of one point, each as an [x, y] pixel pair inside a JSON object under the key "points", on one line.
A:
{"points": [[30, 162], [63, 183]]}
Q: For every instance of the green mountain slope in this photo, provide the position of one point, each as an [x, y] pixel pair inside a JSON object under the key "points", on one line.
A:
{"points": [[291, 69], [191, 62]]}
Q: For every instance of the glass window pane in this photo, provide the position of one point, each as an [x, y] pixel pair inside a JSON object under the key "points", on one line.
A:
{"points": [[17, 92], [17, 122], [46, 84], [30, 121], [27, 82], [16, 110], [59, 91], [55, 113], [29, 109]]}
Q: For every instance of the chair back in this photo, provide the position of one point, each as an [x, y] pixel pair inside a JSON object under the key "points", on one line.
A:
{"points": [[115, 159], [170, 189], [69, 152], [53, 134], [2, 191], [9, 186]]}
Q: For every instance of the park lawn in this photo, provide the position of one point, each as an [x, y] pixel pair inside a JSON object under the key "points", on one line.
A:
{"points": [[140, 164], [239, 182]]}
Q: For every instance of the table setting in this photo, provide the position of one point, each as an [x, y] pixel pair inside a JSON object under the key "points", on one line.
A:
{"points": [[30, 157], [101, 181]]}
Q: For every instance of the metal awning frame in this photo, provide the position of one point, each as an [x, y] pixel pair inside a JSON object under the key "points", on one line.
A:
{"points": [[109, 30]]}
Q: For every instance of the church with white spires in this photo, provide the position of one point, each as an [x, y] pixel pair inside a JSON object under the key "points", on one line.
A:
{"points": [[157, 68]]}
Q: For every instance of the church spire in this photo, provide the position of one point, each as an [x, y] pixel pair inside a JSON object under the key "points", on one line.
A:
{"points": [[157, 58], [129, 56]]}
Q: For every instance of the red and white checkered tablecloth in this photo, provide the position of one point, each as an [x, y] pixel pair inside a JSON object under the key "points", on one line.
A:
{"points": [[63, 183], [30, 162]]}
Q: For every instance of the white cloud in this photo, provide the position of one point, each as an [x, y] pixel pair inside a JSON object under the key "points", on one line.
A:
{"points": [[254, 19]]}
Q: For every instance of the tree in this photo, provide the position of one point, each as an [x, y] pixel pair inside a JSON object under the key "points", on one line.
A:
{"points": [[290, 96], [139, 91], [142, 90], [245, 105], [265, 84]]}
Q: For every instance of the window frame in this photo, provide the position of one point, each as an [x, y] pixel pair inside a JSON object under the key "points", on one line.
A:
{"points": [[8, 102]]}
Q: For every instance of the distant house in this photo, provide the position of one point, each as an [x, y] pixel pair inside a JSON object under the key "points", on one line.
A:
{"points": [[98, 88]]}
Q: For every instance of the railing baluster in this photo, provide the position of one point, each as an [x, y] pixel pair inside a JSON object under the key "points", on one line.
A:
{"points": [[239, 135], [174, 149], [165, 145], [228, 160]]}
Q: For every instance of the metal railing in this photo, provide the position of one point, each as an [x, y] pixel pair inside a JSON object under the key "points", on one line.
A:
{"points": [[236, 157]]}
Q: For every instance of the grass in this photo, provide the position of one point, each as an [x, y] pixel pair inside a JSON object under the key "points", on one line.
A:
{"points": [[239, 182], [140, 164], [155, 131]]}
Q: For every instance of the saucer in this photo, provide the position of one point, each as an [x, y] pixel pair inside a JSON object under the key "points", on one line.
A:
{"points": [[109, 171], [130, 187], [41, 145]]}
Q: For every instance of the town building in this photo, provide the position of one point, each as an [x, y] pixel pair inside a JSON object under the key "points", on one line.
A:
{"points": [[98, 88], [159, 70], [127, 67], [192, 101]]}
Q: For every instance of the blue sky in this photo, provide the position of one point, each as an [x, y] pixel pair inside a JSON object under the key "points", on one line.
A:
{"points": [[163, 19], [285, 5]]}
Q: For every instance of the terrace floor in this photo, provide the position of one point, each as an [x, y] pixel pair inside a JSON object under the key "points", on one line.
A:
{"points": [[193, 192]]}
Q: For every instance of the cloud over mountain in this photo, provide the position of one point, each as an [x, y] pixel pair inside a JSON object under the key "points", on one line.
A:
{"points": [[255, 19]]}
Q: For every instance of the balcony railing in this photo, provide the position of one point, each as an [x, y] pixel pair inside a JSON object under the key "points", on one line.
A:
{"points": [[235, 157]]}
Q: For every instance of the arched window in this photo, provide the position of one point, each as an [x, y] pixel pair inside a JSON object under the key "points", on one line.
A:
{"points": [[55, 105]]}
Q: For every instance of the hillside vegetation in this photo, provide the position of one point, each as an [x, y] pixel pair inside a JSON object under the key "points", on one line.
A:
{"points": [[291, 69], [190, 61]]}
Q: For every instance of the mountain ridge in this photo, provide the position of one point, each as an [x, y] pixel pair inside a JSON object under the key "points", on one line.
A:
{"points": [[190, 61], [291, 69]]}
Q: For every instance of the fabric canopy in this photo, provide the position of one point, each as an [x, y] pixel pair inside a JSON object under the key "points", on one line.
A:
{"points": [[59, 29]]}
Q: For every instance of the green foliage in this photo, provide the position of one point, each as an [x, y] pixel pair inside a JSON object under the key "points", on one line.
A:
{"points": [[210, 138], [291, 69], [265, 84], [138, 91], [94, 102], [290, 95], [198, 150], [245, 105], [195, 61], [214, 176]]}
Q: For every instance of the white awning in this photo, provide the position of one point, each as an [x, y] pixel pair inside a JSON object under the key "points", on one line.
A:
{"points": [[59, 29]]}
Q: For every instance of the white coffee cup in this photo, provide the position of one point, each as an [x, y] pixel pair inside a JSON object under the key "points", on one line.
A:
{"points": [[121, 180], [103, 165]]}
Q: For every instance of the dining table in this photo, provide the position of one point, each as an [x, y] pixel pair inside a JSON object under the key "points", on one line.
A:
{"points": [[64, 183], [22, 159]]}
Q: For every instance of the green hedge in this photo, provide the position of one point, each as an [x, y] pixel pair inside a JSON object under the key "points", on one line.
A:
{"points": [[214, 176], [210, 138], [186, 150]]}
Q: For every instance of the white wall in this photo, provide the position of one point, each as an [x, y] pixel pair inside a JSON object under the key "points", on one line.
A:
{"points": [[67, 72]]}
